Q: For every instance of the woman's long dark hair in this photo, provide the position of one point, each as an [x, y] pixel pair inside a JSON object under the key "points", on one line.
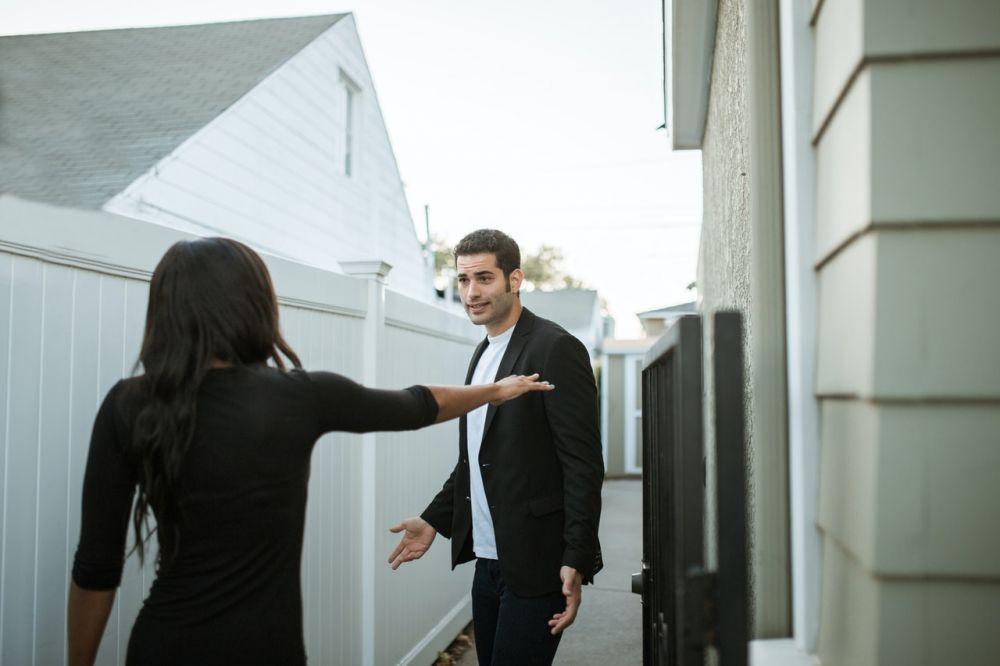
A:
{"points": [[210, 300]]}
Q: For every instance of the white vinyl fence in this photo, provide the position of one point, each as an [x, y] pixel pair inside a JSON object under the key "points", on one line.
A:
{"points": [[73, 290]]}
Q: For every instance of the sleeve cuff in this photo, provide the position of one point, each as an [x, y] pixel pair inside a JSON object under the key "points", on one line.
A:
{"points": [[440, 525], [89, 577], [587, 565], [430, 404]]}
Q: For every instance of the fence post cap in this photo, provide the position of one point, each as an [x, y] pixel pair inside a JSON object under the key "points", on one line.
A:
{"points": [[375, 269]]}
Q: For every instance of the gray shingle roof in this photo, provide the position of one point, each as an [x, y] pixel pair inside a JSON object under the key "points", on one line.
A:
{"points": [[83, 114]]}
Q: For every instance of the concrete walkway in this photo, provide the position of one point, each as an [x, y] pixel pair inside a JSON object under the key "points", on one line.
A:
{"points": [[608, 629]]}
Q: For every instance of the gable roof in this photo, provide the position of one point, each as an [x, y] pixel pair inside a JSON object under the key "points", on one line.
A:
{"points": [[570, 308], [660, 313], [83, 114]]}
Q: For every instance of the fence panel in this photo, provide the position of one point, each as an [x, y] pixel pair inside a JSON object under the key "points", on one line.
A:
{"points": [[422, 345], [331, 566]]}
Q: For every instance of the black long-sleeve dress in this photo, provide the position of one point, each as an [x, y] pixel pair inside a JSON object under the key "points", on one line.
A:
{"points": [[233, 594]]}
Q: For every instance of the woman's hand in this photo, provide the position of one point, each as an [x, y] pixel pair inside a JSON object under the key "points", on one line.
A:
{"points": [[455, 401], [515, 386]]}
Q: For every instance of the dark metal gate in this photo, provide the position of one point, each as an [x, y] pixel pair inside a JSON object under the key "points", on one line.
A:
{"points": [[687, 609]]}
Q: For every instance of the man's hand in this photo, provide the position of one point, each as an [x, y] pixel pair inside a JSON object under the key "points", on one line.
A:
{"points": [[572, 581], [418, 535]]}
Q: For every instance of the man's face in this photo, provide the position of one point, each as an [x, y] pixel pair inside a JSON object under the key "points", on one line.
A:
{"points": [[487, 296]]}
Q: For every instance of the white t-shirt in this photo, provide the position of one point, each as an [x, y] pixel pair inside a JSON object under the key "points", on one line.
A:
{"points": [[484, 541]]}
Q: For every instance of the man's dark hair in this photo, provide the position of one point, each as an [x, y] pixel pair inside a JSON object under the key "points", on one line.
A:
{"points": [[491, 241]]}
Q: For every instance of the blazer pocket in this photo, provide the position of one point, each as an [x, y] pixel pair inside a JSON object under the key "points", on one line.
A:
{"points": [[542, 506]]}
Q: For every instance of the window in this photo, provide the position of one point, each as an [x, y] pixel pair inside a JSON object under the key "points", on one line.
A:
{"points": [[348, 130], [350, 122]]}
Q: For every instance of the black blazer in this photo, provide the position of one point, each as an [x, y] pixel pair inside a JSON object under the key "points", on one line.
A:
{"points": [[541, 462]]}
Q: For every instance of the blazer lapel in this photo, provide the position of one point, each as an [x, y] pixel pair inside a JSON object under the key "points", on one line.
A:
{"points": [[476, 355], [514, 348], [462, 423]]}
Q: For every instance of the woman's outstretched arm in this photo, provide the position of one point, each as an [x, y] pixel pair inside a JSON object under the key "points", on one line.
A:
{"points": [[455, 401], [345, 405], [86, 616]]}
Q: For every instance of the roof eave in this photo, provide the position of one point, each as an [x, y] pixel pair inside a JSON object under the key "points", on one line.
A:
{"points": [[688, 44]]}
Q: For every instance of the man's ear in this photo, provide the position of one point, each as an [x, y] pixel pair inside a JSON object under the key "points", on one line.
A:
{"points": [[516, 278]]}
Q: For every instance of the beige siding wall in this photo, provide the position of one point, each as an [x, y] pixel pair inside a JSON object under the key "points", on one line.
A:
{"points": [[908, 260]]}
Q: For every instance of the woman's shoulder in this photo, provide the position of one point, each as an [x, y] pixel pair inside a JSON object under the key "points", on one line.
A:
{"points": [[123, 402], [127, 391], [301, 379], [319, 379]]}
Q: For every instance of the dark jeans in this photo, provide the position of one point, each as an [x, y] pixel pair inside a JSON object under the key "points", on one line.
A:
{"points": [[511, 630]]}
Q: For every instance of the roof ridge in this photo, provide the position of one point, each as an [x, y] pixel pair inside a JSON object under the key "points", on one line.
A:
{"points": [[334, 17]]}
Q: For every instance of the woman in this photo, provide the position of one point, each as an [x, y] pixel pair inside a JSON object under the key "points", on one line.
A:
{"points": [[218, 443]]}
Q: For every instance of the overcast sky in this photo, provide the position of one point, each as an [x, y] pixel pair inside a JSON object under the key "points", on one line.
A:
{"points": [[535, 117]]}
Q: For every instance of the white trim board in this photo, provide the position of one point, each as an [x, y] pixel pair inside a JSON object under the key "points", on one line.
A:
{"points": [[441, 636], [688, 48], [779, 652], [131, 248]]}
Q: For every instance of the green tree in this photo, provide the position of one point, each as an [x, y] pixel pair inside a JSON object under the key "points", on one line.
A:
{"points": [[545, 270], [444, 254]]}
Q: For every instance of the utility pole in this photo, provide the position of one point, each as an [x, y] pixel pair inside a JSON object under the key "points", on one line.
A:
{"points": [[428, 247], [427, 226]]}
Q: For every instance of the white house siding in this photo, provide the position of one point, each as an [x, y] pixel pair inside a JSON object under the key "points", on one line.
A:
{"points": [[908, 372], [269, 171], [73, 289]]}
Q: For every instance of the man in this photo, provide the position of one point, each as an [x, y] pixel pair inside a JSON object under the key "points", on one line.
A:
{"points": [[524, 499]]}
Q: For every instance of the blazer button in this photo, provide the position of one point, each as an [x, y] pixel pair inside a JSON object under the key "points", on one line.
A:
{"points": [[486, 465], [468, 499]]}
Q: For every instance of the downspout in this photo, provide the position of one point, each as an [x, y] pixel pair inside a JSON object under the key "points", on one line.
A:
{"points": [[799, 161], [770, 562]]}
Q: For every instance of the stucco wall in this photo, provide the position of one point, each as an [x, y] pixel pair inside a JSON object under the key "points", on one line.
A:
{"points": [[724, 252]]}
